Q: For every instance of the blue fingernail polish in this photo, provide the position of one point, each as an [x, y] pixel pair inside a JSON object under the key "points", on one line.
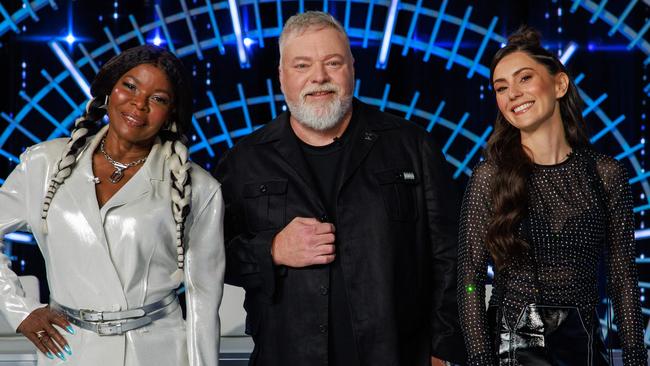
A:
{"points": [[70, 329], [67, 350], [60, 355], [50, 355]]}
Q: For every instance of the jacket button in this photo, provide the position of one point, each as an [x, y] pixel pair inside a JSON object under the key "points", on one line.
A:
{"points": [[263, 188], [323, 328], [324, 218], [324, 290]]}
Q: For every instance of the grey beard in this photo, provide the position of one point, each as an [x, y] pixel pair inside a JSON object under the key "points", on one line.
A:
{"points": [[333, 114]]}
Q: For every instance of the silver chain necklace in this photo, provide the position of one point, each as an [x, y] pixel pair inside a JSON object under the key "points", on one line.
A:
{"points": [[118, 174]]}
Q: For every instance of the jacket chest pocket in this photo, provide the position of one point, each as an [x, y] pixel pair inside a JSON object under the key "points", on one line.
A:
{"points": [[265, 204], [398, 191]]}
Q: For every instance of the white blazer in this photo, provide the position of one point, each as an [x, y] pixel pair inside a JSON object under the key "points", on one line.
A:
{"points": [[118, 257]]}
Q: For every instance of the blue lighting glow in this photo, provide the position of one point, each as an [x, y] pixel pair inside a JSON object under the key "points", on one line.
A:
{"points": [[436, 28], [248, 42], [621, 19], [157, 41], [215, 28], [20, 237], [598, 11], [388, 33], [568, 52], [236, 24], [481, 49], [642, 234], [69, 64], [190, 27], [70, 38], [414, 20], [459, 37]]}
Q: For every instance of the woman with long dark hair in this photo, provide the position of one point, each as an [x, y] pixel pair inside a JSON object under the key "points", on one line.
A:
{"points": [[122, 218], [545, 208]]}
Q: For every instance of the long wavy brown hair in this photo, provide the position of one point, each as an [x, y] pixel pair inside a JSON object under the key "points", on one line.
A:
{"points": [[513, 165]]}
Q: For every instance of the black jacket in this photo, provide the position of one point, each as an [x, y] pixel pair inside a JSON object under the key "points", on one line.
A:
{"points": [[396, 235]]}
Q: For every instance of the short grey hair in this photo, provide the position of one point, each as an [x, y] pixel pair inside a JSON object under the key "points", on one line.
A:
{"points": [[300, 23]]}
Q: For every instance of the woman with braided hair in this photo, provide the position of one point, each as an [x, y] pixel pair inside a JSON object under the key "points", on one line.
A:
{"points": [[122, 217], [546, 209]]}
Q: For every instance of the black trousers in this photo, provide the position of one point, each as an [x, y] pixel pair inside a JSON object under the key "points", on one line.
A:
{"points": [[546, 335]]}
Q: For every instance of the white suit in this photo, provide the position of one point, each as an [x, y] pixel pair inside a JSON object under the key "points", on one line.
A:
{"points": [[118, 257]]}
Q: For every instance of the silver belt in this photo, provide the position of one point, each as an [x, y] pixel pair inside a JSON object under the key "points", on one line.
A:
{"points": [[106, 323]]}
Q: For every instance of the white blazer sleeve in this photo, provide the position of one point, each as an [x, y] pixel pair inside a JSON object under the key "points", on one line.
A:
{"points": [[13, 216], [204, 272]]}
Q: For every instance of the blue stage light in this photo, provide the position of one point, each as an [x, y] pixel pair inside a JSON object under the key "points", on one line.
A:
{"points": [[248, 42], [388, 33], [71, 67], [70, 38], [568, 52], [157, 41], [236, 25], [642, 234], [20, 237]]}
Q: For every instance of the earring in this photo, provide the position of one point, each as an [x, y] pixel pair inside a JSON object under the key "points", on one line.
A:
{"points": [[170, 126], [105, 105]]}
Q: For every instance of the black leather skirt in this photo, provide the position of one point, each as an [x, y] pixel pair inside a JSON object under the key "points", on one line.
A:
{"points": [[547, 335]]}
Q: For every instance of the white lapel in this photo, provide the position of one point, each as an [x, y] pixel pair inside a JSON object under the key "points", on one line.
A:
{"points": [[78, 197], [140, 184], [80, 188]]}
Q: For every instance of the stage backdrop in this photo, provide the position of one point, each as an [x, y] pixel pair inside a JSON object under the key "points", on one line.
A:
{"points": [[425, 60]]}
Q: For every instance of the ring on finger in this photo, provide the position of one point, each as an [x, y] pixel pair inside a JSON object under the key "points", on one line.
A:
{"points": [[40, 334]]}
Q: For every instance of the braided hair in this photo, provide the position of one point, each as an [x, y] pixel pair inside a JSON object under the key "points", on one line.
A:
{"points": [[84, 126], [171, 135]]}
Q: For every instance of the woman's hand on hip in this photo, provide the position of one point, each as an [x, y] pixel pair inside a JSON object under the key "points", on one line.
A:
{"points": [[39, 328]]}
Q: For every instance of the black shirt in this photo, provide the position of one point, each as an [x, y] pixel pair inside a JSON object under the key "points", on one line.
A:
{"points": [[578, 210], [326, 165]]}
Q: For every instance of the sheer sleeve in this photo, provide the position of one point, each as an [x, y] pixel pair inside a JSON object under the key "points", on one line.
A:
{"points": [[472, 266], [622, 283]]}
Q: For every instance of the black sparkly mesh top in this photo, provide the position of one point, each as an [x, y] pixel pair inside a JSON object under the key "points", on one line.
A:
{"points": [[579, 210]]}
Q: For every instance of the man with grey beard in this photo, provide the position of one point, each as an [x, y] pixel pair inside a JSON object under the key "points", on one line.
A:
{"points": [[340, 222]]}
